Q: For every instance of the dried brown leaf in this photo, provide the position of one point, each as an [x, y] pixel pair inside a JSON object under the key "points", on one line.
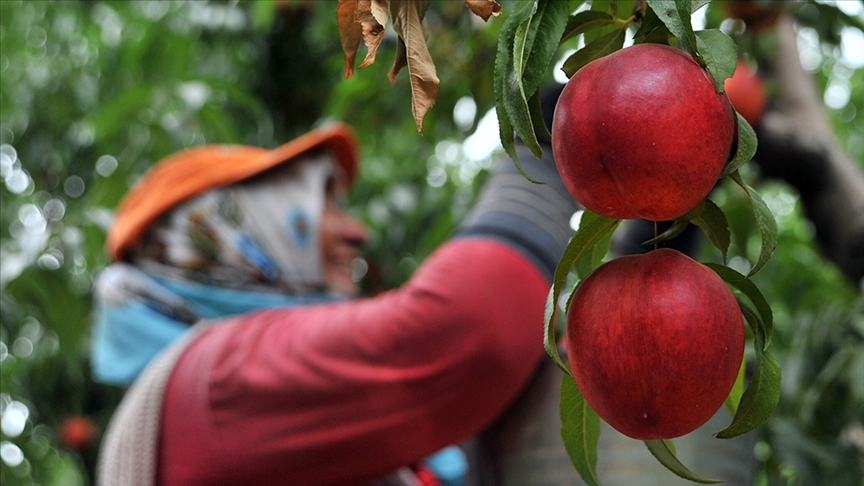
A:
{"points": [[484, 8], [399, 62], [372, 17], [350, 32], [407, 17]]}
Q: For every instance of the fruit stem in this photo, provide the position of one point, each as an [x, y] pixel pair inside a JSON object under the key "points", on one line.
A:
{"points": [[658, 230]]}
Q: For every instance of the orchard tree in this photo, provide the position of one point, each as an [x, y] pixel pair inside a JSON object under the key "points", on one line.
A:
{"points": [[94, 92], [651, 148]]}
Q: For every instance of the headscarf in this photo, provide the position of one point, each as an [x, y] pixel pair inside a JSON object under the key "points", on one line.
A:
{"points": [[228, 250]]}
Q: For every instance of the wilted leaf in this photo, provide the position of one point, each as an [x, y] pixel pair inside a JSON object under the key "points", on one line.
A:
{"points": [[350, 32], [372, 17], [407, 17], [580, 429], [484, 8]]}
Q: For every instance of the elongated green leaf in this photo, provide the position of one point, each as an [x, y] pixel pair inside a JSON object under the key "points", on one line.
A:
{"points": [[664, 452], [720, 53], [737, 391], [515, 100], [714, 224], [535, 108], [585, 21], [592, 258], [675, 229], [596, 49], [651, 28], [753, 321], [502, 76], [764, 219], [676, 16], [746, 149], [761, 396], [751, 291], [592, 229], [544, 34], [580, 429]]}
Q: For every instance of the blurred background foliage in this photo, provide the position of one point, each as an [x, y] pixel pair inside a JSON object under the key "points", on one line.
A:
{"points": [[94, 92]]}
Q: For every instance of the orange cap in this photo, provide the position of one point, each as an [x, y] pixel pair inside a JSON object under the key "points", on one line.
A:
{"points": [[189, 173]]}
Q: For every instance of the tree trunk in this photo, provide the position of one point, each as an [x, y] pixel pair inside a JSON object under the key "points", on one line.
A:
{"points": [[797, 145]]}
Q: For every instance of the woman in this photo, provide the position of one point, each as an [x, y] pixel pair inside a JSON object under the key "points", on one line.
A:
{"points": [[230, 291]]}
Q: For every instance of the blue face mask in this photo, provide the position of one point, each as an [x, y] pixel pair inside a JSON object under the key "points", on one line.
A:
{"points": [[140, 314]]}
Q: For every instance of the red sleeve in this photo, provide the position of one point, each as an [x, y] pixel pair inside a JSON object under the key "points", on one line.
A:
{"points": [[342, 393]]}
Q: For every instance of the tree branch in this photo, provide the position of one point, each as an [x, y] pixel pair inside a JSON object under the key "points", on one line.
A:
{"points": [[797, 145]]}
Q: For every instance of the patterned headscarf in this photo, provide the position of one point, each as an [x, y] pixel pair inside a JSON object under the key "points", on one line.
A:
{"points": [[231, 250], [260, 234]]}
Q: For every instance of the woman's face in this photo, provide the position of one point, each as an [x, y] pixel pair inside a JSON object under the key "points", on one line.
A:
{"points": [[341, 238]]}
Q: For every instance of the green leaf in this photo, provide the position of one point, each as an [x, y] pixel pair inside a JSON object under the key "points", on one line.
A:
{"points": [[592, 258], [592, 230], [585, 21], [737, 391], [502, 72], [753, 320], [713, 223], [535, 108], [580, 429], [544, 34], [764, 219], [720, 53], [676, 16], [535, 28], [761, 396], [675, 229], [515, 100], [602, 46], [651, 29], [751, 291], [48, 296], [746, 148], [664, 452]]}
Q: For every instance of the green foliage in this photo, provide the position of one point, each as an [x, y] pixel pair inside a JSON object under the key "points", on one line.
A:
{"points": [[94, 93], [590, 242], [580, 428], [664, 451], [603, 29]]}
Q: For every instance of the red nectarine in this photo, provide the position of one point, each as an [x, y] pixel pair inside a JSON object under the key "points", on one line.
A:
{"points": [[655, 343], [642, 133]]}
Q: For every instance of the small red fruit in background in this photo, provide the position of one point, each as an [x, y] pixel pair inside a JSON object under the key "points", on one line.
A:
{"points": [[642, 133], [655, 343], [746, 91], [78, 433], [758, 16]]}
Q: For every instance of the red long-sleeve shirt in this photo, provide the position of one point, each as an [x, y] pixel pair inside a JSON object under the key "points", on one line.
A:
{"points": [[343, 393]]}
